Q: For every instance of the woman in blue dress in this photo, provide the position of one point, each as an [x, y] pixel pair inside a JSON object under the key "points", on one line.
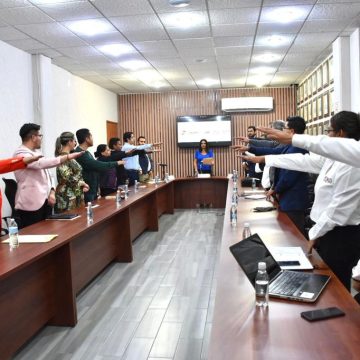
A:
{"points": [[201, 166]]}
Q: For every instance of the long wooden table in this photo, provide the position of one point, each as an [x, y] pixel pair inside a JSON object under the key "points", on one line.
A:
{"points": [[242, 331], [39, 282]]}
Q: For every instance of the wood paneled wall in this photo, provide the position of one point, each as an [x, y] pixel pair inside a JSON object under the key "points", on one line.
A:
{"points": [[154, 116]]}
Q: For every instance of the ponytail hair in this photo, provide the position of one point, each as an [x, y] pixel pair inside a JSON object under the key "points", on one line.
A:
{"points": [[62, 140], [101, 148]]}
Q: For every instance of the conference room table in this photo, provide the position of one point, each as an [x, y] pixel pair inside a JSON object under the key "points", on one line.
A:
{"points": [[39, 282], [240, 330]]}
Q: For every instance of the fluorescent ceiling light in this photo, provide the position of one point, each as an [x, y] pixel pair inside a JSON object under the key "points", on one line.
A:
{"points": [[258, 81], [134, 64], [157, 85], [89, 27], [116, 49], [149, 76], [179, 3], [286, 14], [268, 57], [263, 70], [207, 82], [274, 40], [184, 20]]}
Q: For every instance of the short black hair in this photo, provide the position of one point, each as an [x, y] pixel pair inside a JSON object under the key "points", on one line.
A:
{"points": [[127, 135], [141, 137], [297, 123], [113, 141], [27, 130], [252, 127], [82, 134], [347, 121]]}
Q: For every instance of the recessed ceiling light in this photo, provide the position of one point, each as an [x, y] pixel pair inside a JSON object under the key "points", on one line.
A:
{"points": [[258, 81], [287, 14], [207, 82], [179, 3], [116, 49], [184, 20], [90, 27], [268, 58], [134, 64], [263, 70], [274, 40]]}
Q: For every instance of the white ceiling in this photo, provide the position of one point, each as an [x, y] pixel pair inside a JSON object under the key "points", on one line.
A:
{"points": [[220, 48]]}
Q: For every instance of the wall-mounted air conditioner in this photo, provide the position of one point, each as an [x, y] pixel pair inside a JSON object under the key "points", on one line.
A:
{"points": [[247, 104]]}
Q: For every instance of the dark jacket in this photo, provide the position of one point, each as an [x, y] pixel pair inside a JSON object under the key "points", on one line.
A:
{"points": [[108, 179], [289, 185], [91, 169]]}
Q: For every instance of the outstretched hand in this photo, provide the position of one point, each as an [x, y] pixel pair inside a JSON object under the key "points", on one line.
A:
{"points": [[282, 137], [157, 143], [29, 159], [75, 155], [241, 148], [244, 139], [253, 159]]}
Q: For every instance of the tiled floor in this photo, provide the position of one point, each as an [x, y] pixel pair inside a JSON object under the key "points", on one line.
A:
{"points": [[158, 307]]}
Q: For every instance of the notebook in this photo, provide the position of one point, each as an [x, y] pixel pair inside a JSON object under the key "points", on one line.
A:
{"points": [[292, 285], [62, 216]]}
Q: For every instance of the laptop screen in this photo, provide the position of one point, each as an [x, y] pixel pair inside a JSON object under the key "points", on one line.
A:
{"points": [[249, 252]]}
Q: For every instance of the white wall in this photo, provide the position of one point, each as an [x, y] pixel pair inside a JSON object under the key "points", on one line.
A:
{"points": [[75, 103]]}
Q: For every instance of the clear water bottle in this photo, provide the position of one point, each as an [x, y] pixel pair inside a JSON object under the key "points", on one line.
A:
{"points": [[157, 179], [235, 176], [167, 179], [253, 184], [126, 189], [234, 198], [246, 231], [233, 215], [89, 213], [13, 234], [262, 286], [136, 185], [118, 196]]}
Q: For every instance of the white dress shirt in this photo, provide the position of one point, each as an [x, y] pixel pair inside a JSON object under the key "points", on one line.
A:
{"points": [[132, 162], [340, 149], [337, 190]]}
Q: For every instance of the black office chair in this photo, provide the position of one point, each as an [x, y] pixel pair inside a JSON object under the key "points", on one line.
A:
{"points": [[10, 192]]}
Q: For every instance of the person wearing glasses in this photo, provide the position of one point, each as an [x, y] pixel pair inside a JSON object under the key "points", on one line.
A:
{"points": [[203, 159], [71, 185], [336, 208], [35, 195]]}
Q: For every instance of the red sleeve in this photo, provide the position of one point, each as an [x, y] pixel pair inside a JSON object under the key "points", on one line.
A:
{"points": [[12, 164]]}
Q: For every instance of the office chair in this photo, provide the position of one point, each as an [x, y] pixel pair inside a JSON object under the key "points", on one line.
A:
{"points": [[10, 192]]}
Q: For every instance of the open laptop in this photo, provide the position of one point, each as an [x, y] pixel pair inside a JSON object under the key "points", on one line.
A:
{"points": [[292, 285]]}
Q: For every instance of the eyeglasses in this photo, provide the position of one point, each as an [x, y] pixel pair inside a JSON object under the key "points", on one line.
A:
{"points": [[329, 130], [39, 135]]}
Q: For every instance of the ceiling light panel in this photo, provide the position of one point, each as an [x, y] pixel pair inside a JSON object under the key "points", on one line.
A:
{"points": [[285, 14], [185, 20], [134, 65], [267, 58], [68, 11], [208, 82], [274, 40], [116, 50], [91, 27]]}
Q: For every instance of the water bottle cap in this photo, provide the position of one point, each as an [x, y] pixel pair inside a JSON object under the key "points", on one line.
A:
{"points": [[246, 224], [262, 266]]}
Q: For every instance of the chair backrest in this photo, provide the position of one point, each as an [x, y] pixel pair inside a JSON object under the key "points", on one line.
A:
{"points": [[10, 192]]}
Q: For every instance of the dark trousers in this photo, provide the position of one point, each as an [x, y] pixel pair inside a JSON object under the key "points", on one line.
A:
{"points": [[89, 197], [204, 171], [298, 218], [28, 218], [132, 175], [340, 249]]}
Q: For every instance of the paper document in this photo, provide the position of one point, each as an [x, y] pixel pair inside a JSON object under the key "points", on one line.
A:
{"points": [[255, 196], [290, 258], [252, 192], [30, 239]]}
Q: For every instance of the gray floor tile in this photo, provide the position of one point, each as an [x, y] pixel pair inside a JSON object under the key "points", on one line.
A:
{"points": [[166, 341], [188, 349], [150, 323], [138, 349], [162, 298]]}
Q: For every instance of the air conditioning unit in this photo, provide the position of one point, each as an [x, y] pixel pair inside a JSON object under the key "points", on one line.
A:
{"points": [[247, 104]]}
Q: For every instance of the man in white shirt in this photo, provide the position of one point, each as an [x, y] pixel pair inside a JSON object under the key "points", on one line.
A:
{"points": [[132, 165], [336, 209]]}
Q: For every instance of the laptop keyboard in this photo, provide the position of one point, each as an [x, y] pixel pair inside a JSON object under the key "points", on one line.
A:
{"points": [[288, 283]]}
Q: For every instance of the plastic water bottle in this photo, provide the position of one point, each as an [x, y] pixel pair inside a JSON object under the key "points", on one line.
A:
{"points": [[262, 286], [136, 185], [157, 179], [167, 179], [118, 196], [234, 198], [126, 189], [13, 234], [89, 213], [253, 184], [233, 215], [246, 231], [235, 176]]}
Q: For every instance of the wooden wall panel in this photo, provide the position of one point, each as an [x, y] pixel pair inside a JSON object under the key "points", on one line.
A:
{"points": [[154, 116]]}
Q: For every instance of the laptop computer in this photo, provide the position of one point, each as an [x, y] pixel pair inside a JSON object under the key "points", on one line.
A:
{"points": [[292, 285]]}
